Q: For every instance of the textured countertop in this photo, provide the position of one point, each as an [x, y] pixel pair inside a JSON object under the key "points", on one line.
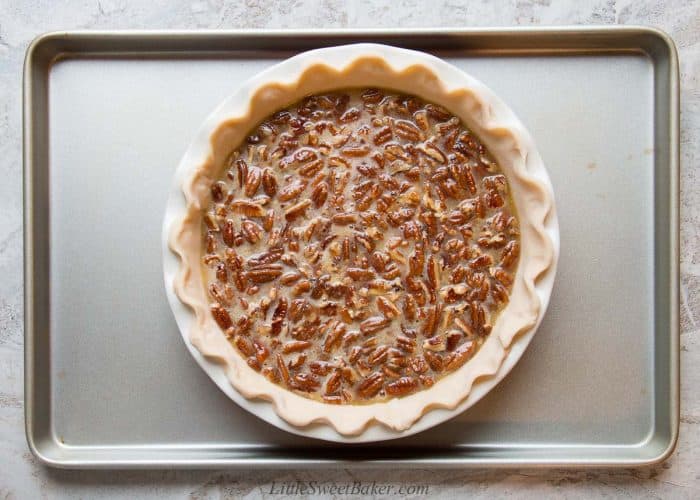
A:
{"points": [[21, 476]]}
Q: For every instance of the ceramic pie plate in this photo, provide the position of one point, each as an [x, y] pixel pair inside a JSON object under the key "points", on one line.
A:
{"points": [[411, 72]]}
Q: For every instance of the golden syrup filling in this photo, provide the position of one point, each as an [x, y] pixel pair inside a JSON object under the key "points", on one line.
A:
{"points": [[359, 246]]}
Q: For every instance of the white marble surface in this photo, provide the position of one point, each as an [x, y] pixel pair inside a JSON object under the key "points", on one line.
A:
{"points": [[20, 474]]}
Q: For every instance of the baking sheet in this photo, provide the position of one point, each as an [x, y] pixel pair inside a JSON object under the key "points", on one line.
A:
{"points": [[109, 382]]}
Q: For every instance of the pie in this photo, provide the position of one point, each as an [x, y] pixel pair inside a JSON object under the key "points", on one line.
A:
{"points": [[350, 250]]}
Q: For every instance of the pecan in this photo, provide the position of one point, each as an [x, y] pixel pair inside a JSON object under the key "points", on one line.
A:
{"points": [[242, 168], [254, 363], [243, 324], [510, 253], [337, 161], [251, 231], [355, 151], [228, 234], [407, 130], [245, 346], [217, 191], [269, 221], [419, 365], [297, 362], [378, 355], [278, 317], [495, 182], [387, 308], [349, 374], [432, 320], [371, 342], [297, 309], [502, 276], [261, 351], [320, 368], [252, 182], [374, 324], [357, 274], [221, 316], [304, 155], [410, 307], [416, 262], [379, 261], [460, 356], [264, 274], [218, 295], [335, 333], [233, 260], [221, 273], [311, 169], [350, 115], [499, 293], [333, 383], [372, 96], [301, 287], [449, 189], [433, 274], [436, 344], [464, 326], [364, 240], [382, 136], [289, 278], [402, 386], [406, 344], [432, 151], [457, 217], [435, 361], [211, 243], [291, 191], [295, 346], [421, 119], [319, 194], [437, 112], [281, 117], [481, 261], [296, 210], [305, 382], [371, 385], [344, 219], [452, 339], [475, 313], [262, 259], [346, 249], [248, 208], [240, 280], [354, 354], [269, 182]]}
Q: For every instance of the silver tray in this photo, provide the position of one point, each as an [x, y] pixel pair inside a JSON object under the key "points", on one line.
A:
{"points": [[109, 383]]}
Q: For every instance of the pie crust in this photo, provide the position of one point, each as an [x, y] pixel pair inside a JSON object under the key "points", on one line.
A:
{"points": [[369, 65]]}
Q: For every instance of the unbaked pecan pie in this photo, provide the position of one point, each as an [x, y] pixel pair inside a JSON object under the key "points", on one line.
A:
{"points": [[357, 258], [359, 246]]}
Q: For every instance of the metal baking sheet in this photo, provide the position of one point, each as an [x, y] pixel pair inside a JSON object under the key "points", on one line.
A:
{"points": [[109, 382]]}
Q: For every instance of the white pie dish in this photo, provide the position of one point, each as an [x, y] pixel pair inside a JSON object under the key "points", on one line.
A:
{"points": [[498, 128]]}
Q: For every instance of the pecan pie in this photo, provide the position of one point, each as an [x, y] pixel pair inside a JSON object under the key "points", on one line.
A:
{"points": [[359, 246], [366, 232]]}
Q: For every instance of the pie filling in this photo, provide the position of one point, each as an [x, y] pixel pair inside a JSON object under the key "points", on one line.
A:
{"points": [[359, 246]]}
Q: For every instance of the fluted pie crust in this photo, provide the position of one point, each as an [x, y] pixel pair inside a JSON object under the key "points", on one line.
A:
{"points": [[434, 81]]}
